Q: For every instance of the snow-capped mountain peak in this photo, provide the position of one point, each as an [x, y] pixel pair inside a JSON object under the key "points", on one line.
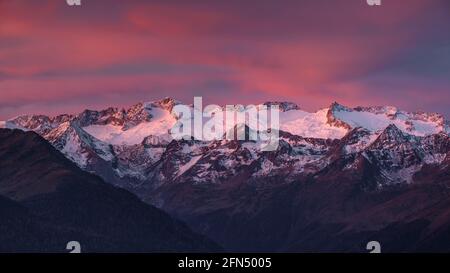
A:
{"points": [[133, 145], [167, 103], [130, 126], [377, 119]]}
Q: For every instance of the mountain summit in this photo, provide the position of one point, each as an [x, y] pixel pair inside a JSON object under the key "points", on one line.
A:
{"points": [[129, 146], [329, 165]]}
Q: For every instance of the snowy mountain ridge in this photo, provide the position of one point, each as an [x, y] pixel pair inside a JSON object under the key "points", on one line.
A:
{"points": [[133, 148], [155, 118]]}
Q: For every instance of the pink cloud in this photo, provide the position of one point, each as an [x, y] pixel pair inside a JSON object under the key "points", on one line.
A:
{"points": [[311, 52]]}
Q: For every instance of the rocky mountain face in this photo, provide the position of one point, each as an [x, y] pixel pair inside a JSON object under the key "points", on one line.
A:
{"points": [[351, 173], [46, 201]]}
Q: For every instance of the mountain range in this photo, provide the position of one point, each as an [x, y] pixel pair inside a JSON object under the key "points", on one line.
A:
{"points": [[339, 178], [46, 201]]}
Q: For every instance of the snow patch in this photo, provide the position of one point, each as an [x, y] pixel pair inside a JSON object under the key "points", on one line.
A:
{"points": [[362, 143], [155, 153], [266, 168], [73, 151], [311, 125], [188, 165], [12, 125], [162, 121], [434, 159], [376, 122]]}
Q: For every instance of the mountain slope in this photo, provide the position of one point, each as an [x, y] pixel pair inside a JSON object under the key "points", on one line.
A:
{"points": [[60, 196], [345, 172], [337, 209], [130, 147]]}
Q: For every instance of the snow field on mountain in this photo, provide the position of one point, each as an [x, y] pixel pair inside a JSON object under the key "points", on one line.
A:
{"points": [[313, 125], [162, 121], [377, 122]]}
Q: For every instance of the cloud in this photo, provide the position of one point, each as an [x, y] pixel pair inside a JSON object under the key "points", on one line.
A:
{"points": [[310, 52]]}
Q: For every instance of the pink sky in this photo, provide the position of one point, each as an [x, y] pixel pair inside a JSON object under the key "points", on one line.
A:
{"points": [[55, 58]]}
